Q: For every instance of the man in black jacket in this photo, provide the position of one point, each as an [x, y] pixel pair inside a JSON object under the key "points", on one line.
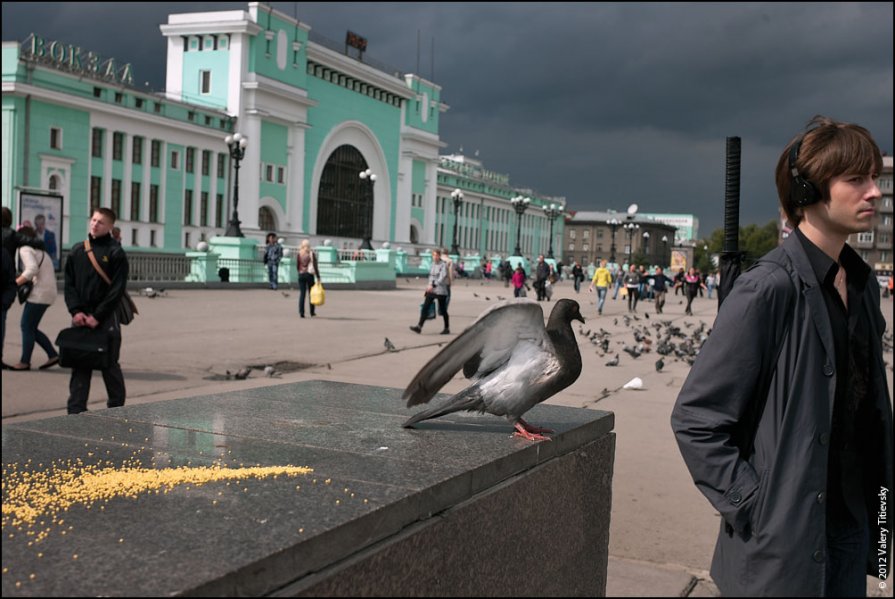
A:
{"points": [[92, 303]]}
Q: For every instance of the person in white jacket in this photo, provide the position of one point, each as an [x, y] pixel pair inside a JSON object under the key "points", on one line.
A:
{"points": [[38, 269]]}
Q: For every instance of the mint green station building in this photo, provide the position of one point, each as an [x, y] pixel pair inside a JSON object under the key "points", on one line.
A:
{"points": [[316, 117]]}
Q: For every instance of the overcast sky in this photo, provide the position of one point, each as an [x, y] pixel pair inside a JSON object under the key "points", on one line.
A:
{"points": [[606, 104]]}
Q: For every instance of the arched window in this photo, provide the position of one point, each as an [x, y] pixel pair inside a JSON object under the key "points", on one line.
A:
{"points": [[267, 220], [54, 182], [414, 235], [344, 200]]}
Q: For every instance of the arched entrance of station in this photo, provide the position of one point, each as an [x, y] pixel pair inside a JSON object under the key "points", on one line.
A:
{"points": [[344, 199]]}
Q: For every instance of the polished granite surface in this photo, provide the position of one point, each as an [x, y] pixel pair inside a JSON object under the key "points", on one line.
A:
{"points": [[210, 528]]}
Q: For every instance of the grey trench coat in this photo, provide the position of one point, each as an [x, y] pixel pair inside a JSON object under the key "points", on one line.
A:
{"points": [[753, 423]]}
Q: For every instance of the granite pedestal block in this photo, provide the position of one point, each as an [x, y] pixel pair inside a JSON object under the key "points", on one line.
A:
{"points": [[456, 506]]}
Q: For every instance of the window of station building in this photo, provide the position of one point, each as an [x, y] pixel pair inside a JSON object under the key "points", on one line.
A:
{"points": [[152, 238], [96, 191], [134, 237], [115, 204], [157, 107], [345, 202], [138, 102], [117, 145], [222, 161], [155, 153], [206, 162], [268, 172], [281, 175], [186, 239], [135, 200], [153, 204], [208, 121], [204, 82], [191, 116], [96, 143], [266, 219], [218, 210], [119, 97], [188, 207], [97, 92], [137, 153], [175, 160], [203, 209], [190, 159], [56, 138]]}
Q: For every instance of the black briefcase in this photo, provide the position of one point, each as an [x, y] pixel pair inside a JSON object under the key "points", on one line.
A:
{"points": [[83, 347]]}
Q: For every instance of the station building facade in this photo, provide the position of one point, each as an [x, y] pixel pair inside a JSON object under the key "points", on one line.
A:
{"points": [[315, 115]]}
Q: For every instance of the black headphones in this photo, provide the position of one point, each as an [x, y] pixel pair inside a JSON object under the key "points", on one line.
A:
{"points": [[803, 192]]}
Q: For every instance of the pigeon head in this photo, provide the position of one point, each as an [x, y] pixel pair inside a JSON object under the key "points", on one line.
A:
{"points": [[564, 312]]}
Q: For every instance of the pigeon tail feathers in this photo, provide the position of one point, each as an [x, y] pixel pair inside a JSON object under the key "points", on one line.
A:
{"points": [[468, 400]]}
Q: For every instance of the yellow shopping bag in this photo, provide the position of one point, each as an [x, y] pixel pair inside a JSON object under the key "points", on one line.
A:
{"points": [[318, 294]]}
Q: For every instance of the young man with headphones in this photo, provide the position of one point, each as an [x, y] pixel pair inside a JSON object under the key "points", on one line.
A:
{"points": [[797, 455]]}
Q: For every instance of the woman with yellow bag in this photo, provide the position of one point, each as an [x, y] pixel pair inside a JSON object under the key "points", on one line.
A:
{"points": [[307, 273]]}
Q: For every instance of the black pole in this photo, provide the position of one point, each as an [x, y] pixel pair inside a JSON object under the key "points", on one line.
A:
{"points": [[518, 233], [455, 249], [237, 154], [550, 250], [612, 257], [730, 256]]}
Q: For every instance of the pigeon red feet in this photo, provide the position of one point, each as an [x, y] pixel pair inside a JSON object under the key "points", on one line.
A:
{"points": [[529, 432]]}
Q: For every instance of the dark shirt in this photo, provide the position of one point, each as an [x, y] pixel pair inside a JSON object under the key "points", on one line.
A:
{"points": [[661, 283], [851, 341]]}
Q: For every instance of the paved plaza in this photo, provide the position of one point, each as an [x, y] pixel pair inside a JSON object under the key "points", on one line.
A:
{"points": [[185, 342]]}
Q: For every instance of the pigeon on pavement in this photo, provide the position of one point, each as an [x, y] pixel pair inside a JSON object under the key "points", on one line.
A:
{"points": [[515, 361]]}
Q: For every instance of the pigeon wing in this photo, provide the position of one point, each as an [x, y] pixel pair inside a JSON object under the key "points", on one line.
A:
{"points": [[483, 347]]}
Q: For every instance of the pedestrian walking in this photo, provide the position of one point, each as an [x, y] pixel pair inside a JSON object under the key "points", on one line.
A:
{"points": [[437, 290], [632, 286], [273, 253], [308, 273], [692, 283], [601, 282], [785, 420], [519, 282], [577, 276], [92, 303], [38, 274], [661, 284]]}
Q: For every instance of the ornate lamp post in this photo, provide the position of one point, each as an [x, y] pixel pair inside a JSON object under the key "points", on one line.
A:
{"points": [[552, 211], [368, 226], [665, 257], [237, 144], [520, 205], [613, 224], [457, 197], [630, 228], [646, 251]]}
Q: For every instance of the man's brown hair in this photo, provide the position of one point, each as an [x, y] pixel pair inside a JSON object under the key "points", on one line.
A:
{"points": [[828, 149], [107, 212]]}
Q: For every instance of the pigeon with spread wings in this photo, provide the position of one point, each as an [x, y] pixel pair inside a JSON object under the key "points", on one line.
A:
{"points": [[515, 361]]}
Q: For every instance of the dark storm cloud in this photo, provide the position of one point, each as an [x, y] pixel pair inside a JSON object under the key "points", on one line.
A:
{"points": [[606, 104]]}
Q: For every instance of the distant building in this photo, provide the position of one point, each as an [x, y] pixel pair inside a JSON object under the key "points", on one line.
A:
{"points": [[616, 236], [687, 225], [317, 115]]}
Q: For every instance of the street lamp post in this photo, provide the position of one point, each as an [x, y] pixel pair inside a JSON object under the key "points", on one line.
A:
{"points": [[665, 257], [613, 224], [237, 144], [368, 226], [457, 196], [629, 229], [520, 205], [646, 251], [552, 211]]}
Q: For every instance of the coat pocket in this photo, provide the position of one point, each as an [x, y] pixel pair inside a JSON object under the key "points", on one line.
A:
{"points": [[755, 520]]}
